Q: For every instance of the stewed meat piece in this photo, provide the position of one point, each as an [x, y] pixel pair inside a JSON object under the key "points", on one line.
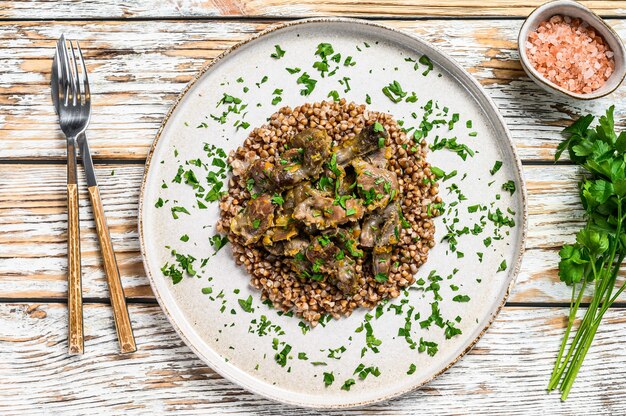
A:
{"points": [[377, 186], [381, 230], [330, 260], [370, 139], [255, 219], [321, 211], [303, 160]]}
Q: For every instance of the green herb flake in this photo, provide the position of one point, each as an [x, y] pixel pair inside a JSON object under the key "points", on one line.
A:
{"points": [[308, 82], [217, 242], [394, 92], [279, 52], [425, 60], [175, 210], [329, 378], [496, 167], [509, 186], [277, 199], [381, 277], [347, 384], [246, 304], [461, 298]]}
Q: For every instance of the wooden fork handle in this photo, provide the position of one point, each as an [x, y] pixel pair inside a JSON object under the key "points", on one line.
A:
{"points": [[74, 296], [116, 291]]}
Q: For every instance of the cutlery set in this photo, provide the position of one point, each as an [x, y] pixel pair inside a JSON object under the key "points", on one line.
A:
{"points": [[72, 100]]}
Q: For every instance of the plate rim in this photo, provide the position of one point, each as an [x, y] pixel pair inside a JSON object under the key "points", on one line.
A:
{"points": [[512, 277]]}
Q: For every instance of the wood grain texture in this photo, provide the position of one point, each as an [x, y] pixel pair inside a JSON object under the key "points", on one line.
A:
{"points": [[74, 285], [116, 291], [506, 373], [94, 9], [138, 68], [33, 226]]}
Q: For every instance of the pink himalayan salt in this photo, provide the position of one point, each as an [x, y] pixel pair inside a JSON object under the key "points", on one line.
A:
{"points": [[571, 54]]}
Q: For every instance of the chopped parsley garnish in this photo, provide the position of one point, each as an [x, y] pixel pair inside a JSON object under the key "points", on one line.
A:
{"points": [[263, 81], [279, 52], [184, 238], [277, 199], [461, 298], [440, 174], [159, 203], [496, 167], [509, 186], [329, 378], [177, 209], [412, 369], [381, 277], [431, 348], [502, 266], [217, 242], [450, 330], [394, 92], [425, 60], [308, 82], [347, 384], [246, 304], [451, 144], [334, 95], [277, 96], [282, 356]]}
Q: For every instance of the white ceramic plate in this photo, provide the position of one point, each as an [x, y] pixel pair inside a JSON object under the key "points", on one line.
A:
{"points": [[222, 339]]}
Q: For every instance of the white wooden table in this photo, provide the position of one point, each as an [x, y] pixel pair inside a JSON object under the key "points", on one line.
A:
{"points": [[141, 54]]}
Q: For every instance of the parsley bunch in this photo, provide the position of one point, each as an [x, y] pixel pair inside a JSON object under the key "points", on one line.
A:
{"points": [[593, 261]]}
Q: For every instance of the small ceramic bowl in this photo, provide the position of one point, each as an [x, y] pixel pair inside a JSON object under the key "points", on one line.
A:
{"points": [[576, 10]]}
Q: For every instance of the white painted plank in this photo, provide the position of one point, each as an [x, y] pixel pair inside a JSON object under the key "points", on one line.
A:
{"points": [[280, 8], [506, 372], [138, 68], [33, 226]]}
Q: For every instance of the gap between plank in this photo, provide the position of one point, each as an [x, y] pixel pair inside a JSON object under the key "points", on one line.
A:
{"points": [[270, 18]]}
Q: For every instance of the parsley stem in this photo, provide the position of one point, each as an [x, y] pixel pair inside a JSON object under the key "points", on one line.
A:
{"points": [[601, 300], [572, 317]]}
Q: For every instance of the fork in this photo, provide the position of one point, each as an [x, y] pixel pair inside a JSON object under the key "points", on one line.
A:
{"points": [[74, 113], [81, 107]]}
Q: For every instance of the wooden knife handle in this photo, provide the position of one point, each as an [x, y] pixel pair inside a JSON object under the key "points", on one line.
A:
{"points": [[74, 285], [116, 292]]}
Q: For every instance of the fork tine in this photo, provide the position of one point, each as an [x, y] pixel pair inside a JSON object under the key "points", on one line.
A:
{"points": [[60, 70], [66, 76], [75, 77], [58, 64], [84, 75]]}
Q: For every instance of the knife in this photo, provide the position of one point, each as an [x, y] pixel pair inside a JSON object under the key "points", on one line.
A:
{"points": [[116, 291]]}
